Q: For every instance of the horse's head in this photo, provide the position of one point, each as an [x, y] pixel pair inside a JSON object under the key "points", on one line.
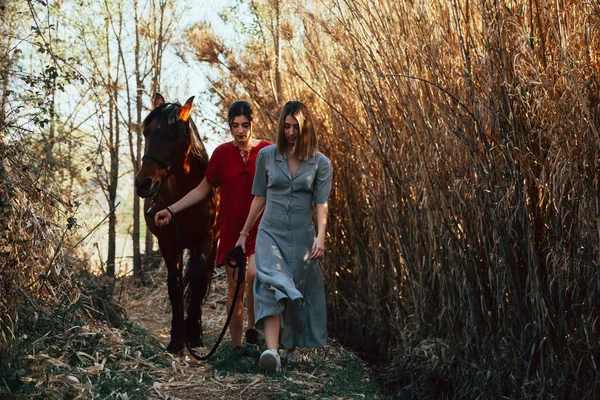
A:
{"points": [[168, 138]]}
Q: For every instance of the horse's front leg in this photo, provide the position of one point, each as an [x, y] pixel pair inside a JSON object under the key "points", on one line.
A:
{"points": [[197, 278], [175, 288]]}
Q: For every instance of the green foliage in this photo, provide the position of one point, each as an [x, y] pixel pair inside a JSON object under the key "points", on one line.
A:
{"points": [[240, 19], [59, 343]]}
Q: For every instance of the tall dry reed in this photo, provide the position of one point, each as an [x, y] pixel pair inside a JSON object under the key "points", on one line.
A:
{"points": [[465, 210]]}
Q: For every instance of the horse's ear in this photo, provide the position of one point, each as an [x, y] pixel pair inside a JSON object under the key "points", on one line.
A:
{"points": [[185, 111], [158, 100]]}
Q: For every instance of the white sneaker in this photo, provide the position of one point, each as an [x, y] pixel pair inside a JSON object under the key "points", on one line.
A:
{"points": [[270, 361]]}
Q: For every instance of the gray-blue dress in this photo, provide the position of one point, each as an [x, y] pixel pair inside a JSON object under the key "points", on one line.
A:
{"points": [[287, 281]]}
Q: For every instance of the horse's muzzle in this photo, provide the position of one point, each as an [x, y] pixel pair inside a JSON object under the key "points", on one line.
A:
{"points": [[146, 187]]}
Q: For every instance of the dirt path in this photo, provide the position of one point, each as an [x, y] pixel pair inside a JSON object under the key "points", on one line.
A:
{"points": [[329, 373]]}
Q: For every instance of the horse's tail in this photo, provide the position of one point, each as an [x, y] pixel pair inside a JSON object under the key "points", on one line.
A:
{"points": [[211, 259]]}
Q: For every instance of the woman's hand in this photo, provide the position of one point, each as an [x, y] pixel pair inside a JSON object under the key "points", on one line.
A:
{"points": [[162, 218], [242, 241], [318, 248]]}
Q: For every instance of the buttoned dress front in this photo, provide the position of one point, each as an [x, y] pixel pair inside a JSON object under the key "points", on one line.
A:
{"points": [[288, 282]]}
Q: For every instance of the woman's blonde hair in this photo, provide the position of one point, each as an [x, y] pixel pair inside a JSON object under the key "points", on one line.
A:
{"points": [[306, 143]]}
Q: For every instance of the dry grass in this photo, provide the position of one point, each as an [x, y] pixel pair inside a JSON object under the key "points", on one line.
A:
{"points": [[466, 202]]}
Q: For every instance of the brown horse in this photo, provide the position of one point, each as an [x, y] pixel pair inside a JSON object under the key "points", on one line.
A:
{"points": [[173, 164]]}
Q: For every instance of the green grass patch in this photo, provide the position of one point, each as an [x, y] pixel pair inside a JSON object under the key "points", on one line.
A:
{"points": [[241, 361], [349, 377], [331, 372], [148, 344]]}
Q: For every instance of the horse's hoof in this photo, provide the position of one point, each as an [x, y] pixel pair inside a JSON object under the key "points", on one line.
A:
{"points": [[196, 343], [193, 333], [176, 350]]}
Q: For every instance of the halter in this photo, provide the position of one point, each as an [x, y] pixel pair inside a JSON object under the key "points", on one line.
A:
{"points": [[163, 164]]}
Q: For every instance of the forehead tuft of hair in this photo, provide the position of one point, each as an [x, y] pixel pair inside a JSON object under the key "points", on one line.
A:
{"points": [[166, 111]]}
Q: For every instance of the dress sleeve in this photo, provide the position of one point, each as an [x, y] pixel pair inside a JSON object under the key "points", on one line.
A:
{"points": [[324, 179], [259, 187], [213, 172]]}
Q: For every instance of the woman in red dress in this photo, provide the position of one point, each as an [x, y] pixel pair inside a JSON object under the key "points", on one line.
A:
{"points": [[231, 166]]}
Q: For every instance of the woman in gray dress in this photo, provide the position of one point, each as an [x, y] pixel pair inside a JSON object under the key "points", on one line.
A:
{"points": [[289, 297]]}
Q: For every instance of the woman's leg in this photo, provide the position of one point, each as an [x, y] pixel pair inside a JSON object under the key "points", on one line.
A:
{"points": [[271, 330], [236, 325], [269, 359], [250, 275]]}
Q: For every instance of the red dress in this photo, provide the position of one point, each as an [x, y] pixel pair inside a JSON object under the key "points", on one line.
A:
{"points": [[227, 169]]}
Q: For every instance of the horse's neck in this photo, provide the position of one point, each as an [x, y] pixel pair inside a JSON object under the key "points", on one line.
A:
{"points": [[181, 181], [197, 167]]}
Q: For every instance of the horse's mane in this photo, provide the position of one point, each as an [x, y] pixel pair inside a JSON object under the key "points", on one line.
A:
{"points": [[197, 148]]}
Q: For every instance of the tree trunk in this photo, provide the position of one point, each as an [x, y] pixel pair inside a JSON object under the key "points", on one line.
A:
{"points": [[135, 158], [137, 258], [112, 193], [113, 173], [113, 183], [4, 67]]}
